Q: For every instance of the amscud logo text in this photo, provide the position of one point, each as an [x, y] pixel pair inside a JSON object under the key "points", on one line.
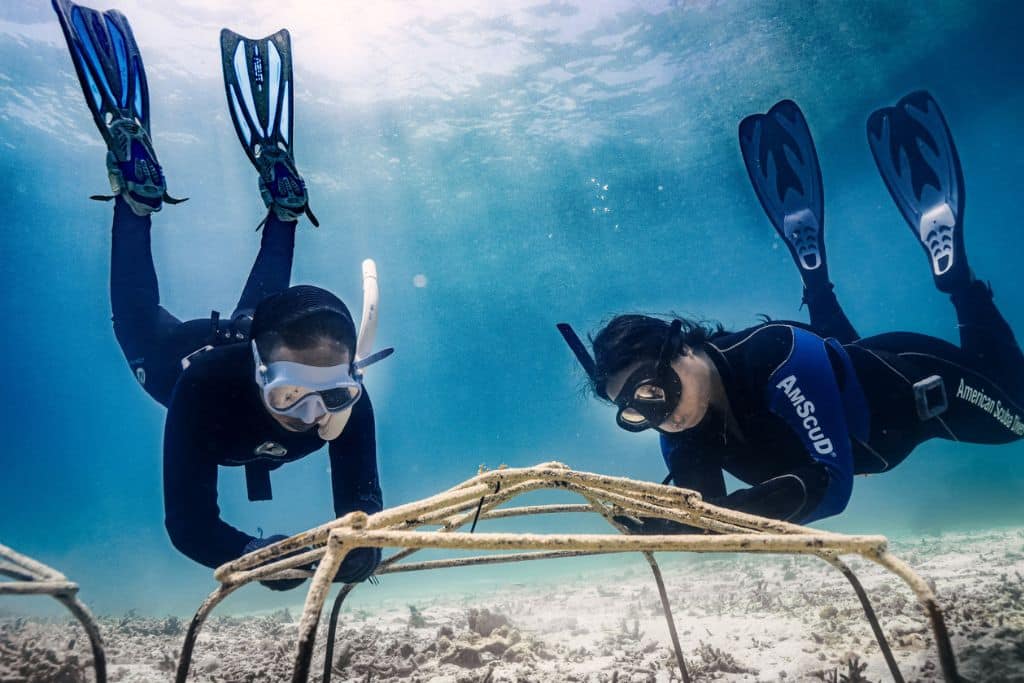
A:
{"points": [[805, 410], [993, 407]]}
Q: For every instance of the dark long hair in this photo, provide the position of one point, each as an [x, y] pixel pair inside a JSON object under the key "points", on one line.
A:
{"points": [[632, 337]]}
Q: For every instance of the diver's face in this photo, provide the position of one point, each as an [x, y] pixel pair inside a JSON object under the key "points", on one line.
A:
{"points": [[694, 371], [327, 353]]}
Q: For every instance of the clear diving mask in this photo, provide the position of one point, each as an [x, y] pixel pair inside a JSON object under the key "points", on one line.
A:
{"points": [[306, 392], [324, 395]]}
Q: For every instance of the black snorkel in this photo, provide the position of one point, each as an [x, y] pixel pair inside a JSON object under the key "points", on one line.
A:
{"points": [[650, 393]]}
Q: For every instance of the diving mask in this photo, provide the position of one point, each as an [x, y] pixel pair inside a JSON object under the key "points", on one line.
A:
{"points": [[653, 390], [650, 393], [324, 395], [306, 392]]}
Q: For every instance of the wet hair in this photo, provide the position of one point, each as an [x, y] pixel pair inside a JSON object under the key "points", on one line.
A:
{"points": [[302, 317], [626, 339]]}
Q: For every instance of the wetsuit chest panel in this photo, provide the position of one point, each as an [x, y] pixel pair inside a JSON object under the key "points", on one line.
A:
{"points": [[803, 391], [230, 422], [745, 361]]}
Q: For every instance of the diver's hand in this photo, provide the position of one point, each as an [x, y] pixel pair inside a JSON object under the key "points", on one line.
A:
{"points": [[276, 584], [358, 565], [654, 526]]}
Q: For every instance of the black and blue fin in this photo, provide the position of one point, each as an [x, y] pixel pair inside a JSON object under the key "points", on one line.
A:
{"points": [[258, 80], [779, 154], [108, 64], [258, 83], [113, 79], [918, 161]]}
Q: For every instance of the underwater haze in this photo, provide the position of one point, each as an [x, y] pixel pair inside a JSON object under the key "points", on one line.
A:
{"points": [[507, 168]]}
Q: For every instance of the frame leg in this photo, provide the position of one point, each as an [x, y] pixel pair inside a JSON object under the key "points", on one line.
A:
{"points": [[869, 612], [214, 599], [332, 630], [99, 657], [668, 616], [320, 586]]}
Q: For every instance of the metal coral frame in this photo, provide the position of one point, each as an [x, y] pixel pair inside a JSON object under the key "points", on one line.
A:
{"points": [[35, 578], [477, 498]]}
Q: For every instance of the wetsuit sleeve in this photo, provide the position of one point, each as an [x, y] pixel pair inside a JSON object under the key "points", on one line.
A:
{"points": [[695, 467], [691, 466], [192, 516], [354, 478], [804, 393]]}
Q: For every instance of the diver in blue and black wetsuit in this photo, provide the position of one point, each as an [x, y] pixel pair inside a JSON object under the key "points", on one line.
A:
{"points": [[796, 410], [282, 376]]}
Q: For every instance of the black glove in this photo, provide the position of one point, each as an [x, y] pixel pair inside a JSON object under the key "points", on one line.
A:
{"points": [[276, 584], [358, 565], [654, 526]]}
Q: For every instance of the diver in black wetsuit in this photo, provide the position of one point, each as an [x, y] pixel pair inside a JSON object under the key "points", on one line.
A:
{"points": [[282, 376], [796, 410]]}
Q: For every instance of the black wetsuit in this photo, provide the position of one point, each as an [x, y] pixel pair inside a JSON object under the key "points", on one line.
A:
{"points": [[215, 414], [816, 404]]}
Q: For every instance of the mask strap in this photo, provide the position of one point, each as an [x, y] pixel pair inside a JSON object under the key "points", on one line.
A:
{"points": [[671, 344]]}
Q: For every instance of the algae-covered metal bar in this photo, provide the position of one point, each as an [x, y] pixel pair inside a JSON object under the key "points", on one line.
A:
{"points": [[476, 499], [35, 578]]}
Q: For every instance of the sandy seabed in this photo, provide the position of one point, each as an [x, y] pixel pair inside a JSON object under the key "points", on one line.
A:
{"points": [[740, 618]]}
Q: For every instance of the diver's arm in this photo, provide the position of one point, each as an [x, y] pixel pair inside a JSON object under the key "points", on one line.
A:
{"points": [[787, 497], [690, 466], [192, 516], [354, 479], [784, 497]]}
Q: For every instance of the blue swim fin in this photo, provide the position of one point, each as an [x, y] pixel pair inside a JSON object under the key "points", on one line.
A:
{"points": [[778, 152], [113, 79], [917, 159], [258, 82]]}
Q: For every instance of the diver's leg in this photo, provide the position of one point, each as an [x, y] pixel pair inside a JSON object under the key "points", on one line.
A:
{"points": [[272, 270], [974, 402], [986, 338], [827, 316], [140, 323]]}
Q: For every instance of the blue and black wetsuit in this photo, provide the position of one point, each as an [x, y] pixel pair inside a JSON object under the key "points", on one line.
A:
{"points": [[215, 416], [815, 405]]}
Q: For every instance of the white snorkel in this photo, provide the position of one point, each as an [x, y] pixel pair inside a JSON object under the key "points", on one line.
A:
{"points": [[371, 298], [331, 425]]}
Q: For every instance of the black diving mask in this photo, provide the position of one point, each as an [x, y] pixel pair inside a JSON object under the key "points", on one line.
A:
{"points": [[650, 393], [653, 390]]}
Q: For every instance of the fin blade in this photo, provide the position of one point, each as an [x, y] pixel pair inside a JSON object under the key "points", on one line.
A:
{"points": [[915, 154], [107, 62], [258, 84], [782, 164], [914, 150]]}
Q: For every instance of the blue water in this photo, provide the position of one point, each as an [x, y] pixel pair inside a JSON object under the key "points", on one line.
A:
{"points": [[507, 169]]}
